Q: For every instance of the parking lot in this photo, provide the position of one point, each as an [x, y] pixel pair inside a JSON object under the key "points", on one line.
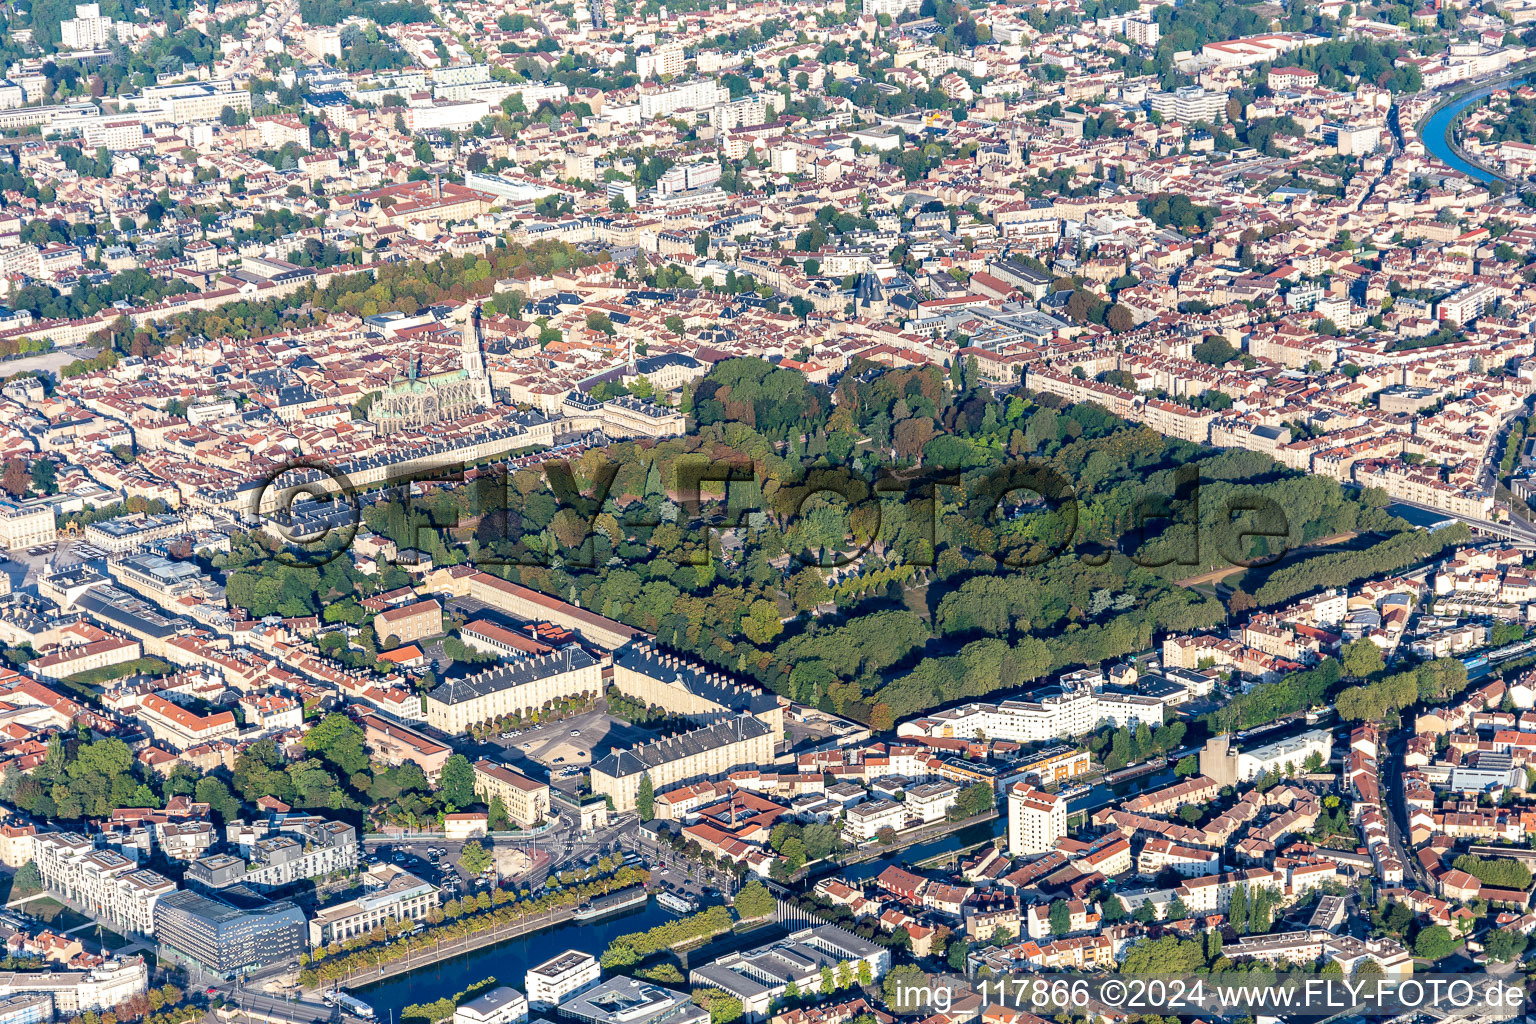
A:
{"points": [[573, 743], [526, 860], [25, 565], [416, 857]]}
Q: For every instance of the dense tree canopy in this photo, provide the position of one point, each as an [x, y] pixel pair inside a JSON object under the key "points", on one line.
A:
{"points": [[1016, 589]]}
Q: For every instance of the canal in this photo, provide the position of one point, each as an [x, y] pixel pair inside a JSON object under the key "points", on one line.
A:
{"points": [[970, 836], [973, 836], [1435, 129], [507, 962]]}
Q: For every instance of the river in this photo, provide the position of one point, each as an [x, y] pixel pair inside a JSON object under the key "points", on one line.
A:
{"points": [[1434, 131], [507, 962]]}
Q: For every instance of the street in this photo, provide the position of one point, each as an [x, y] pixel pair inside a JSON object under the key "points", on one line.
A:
{"points": [[554, 850], [258, 1006], [672, 871], [1397, 808]]}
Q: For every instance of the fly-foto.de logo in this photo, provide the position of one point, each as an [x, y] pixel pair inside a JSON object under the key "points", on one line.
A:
{"points": [[1029, 506]]}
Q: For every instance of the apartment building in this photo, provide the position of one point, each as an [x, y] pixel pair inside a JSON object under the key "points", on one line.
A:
{"points": [[393, 743], [557, 979], [31, 1008], [181, 729], [1069, 713], [1196, 790], [1189, 104], [663, 59], [1036, 819], [1213, 893], [1054, 764], [1469, 303], [1143, 31], [931, 801], [863, 822], [87, 30], [1189, 861], [514, 689], [408, 623], [526, 801], [110, 887], [1423, 486], [1080, 918], [710, 752], [184, 840], [891, 8], [279, 851], [18, 844], [664, 100], [272, 712]]}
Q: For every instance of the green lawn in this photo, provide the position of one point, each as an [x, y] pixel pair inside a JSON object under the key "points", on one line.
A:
{"points": [[58, 917], [146, 666], [109, 939]]}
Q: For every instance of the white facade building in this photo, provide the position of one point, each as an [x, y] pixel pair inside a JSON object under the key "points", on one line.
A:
{"points": [[1036, 819], [87, 30], [501, 1005], [110, 887], [931, 801], [1189, 104], [865, 820], [1284, 754], [555, 980], [1070, 713], [891, 8], [74, 992], [666, 59], [662, 100], [1143, 33]]}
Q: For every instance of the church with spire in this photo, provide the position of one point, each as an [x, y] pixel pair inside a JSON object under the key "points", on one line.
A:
{"points": [[415, 402]]}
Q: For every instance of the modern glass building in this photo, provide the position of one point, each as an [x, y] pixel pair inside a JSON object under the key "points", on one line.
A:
{"points": [[226, 940]]}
